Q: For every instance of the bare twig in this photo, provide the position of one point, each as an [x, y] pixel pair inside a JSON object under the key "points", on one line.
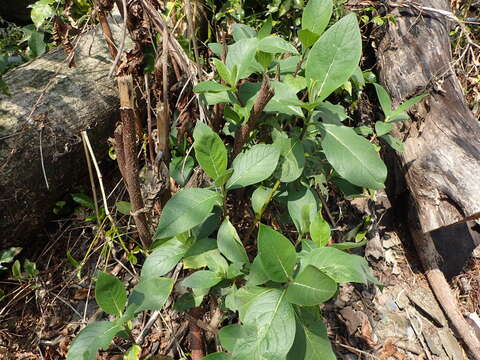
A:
{"points": [[92, 181], [122, 41]]}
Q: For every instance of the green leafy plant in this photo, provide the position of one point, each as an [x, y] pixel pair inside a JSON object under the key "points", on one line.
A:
{"points": [[288, 135]]}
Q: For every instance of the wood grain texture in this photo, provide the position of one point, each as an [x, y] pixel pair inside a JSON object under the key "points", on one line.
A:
{"points": [[441, 161], [58, 102]]}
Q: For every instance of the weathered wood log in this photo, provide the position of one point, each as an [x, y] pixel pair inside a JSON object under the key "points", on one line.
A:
{"points": [[441, 161], [40, 126]]}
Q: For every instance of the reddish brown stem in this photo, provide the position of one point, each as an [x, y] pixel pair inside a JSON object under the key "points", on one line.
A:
{"points": [[125, 86], [107, 33], [265, 95], [196, 336]]}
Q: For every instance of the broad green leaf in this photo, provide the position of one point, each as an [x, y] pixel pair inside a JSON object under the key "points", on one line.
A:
{"points": [[266, 28], [219, 98], [208, 226], [216, 48], [257, 275], [41, 11], [363, 130], [311, 338], [17, 270], [316, 15], [260, 197], [133, 353], [97, 335], [110, 294], [405, 106], [241, 31], [383, 99], [349, 245], [287, 65], [210, 151], [296, 83], [36, 44], [340, 266], [330, 113], [269, 328], [334, 57], [394, 143], [382, 128], [254, 165], [124, 207], [209, 86], [242, 55], [229, 243], [202, 279], [353, 157], [222, 179], [319, 230], [218, 356], [188, 301], [293, 158], [264, 58], [307, 38], [284, 101], [234, 270], [223, 71], [185, 210], [211, 258], [83, 200], [311, 287], [163, 259], [228, 336], [302, 206], [245, 297], [276, 45], [400, 117], [181, 168], [151, 293], [276, 253]]}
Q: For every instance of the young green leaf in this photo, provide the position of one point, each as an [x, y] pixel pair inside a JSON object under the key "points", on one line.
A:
{"points": [[223, 71], [353, 157], [316, 16], [36, 44], [293, 159], [254, 165], [41, 11], [229, 243], [276, 253], [382, 128], [257, 275], [259, 197], [266, 29], [209, 86], [163, 259], [202, 279], [133, 353], [151, 293], [307, 38], [340, 266], [124, 207], [311, 287], [210, 151], [269, 328], [97, 335], [181, 168], [319, 230], [311, 337], [405, 106], [302, 206], [384, 99], [242, 55], [241, 31], [394, 143], [185, 210], [334, 57], [110, 294]]}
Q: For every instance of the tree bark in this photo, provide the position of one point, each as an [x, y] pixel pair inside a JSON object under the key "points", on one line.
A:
{"points": [[40, 126], [441, 161]]}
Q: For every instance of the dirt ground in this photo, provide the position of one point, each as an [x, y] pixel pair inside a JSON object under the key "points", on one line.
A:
{"points": [[40, 317]]}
